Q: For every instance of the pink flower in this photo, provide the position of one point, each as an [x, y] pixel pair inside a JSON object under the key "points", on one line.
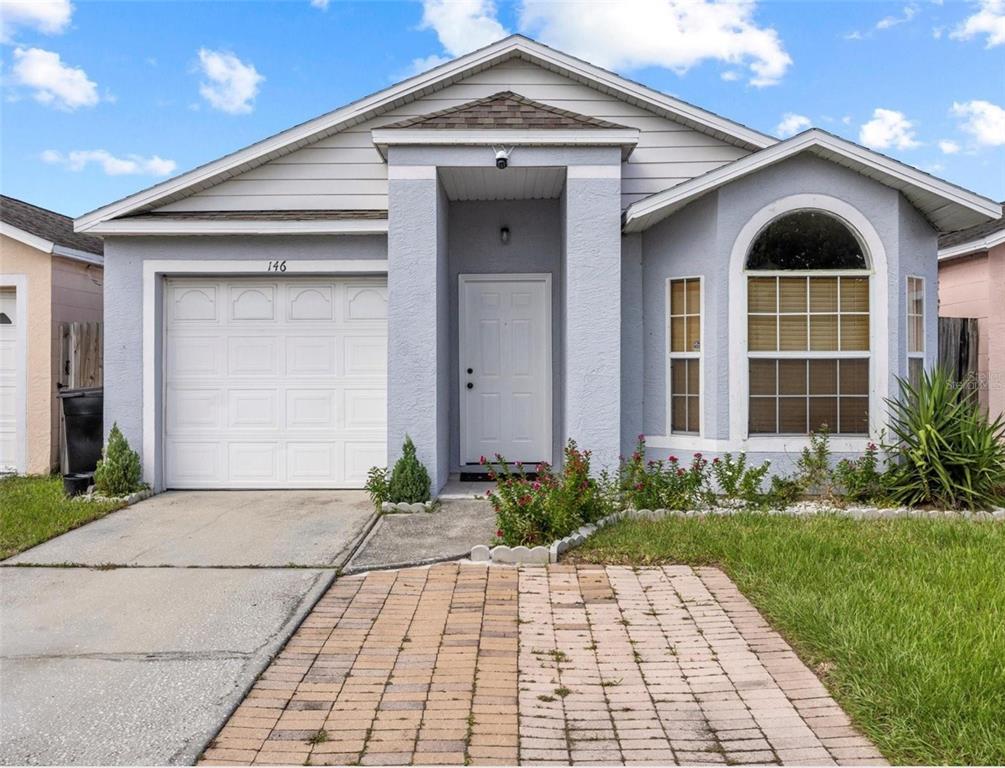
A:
{"points": [[673, 459], [715, 460], [499, 533], [537, 486], [697, 457], [482, 460], [870, 446]]}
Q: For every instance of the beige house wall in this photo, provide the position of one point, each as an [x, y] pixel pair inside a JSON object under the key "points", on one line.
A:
{"points": [[974, 286], [16, 258]]}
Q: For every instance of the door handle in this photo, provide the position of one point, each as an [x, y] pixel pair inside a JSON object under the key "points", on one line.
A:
{"points": [[470, 385]]}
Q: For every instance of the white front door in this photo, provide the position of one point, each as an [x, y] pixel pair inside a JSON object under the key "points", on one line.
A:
{"points": [[274, 382], [505, 367]]}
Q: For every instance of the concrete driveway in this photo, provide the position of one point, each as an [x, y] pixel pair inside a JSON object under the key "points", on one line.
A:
{"points": [[129, 640]]}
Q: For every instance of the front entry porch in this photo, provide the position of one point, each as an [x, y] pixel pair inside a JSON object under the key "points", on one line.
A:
{"points": [[504, 304]]}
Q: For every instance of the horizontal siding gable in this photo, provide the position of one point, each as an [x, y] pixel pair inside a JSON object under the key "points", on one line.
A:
{"points": [[345, 171]]}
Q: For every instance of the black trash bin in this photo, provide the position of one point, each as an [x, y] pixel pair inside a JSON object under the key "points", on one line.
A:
{"points": [[83, 416]]}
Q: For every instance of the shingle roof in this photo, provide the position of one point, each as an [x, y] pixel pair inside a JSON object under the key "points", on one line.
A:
{"points": [[504, 110], [48, 225], [272, 215], [961, 236]]}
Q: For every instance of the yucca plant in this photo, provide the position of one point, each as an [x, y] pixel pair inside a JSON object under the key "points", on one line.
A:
{"points": [[947, 453]]}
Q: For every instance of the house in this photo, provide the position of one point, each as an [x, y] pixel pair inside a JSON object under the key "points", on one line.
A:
{"points": [[49, 275], [509, 250], [972, 284]]}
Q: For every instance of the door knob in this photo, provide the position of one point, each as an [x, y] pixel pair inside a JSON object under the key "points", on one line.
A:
{"points": [[471, 370], [470, 385]]}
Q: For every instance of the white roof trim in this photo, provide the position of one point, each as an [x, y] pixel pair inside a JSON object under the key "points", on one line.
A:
{"points": [[413, 137], [27, 238], [411, 89], [648, 211], [973, 246], [163, 225], [47, 246]]}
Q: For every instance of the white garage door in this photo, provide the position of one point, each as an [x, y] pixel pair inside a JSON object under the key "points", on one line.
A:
{"points": [[274, 383], [10, 369]]}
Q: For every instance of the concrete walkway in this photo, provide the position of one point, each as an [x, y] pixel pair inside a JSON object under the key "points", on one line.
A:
{"points": [[473, 664], [131, 639]]}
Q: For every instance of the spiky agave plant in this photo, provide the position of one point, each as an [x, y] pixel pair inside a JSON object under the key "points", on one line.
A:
{"points": [[947, 452]]}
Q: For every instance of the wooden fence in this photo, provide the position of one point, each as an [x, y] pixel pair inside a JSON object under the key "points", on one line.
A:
{"points": [[81, 364], [958, 351]]}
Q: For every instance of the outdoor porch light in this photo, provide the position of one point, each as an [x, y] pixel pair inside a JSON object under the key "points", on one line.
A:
{"points": [[504, 235]]}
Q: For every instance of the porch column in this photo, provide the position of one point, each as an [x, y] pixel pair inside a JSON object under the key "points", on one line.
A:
{"points": [[592, 225], [417, 356]]}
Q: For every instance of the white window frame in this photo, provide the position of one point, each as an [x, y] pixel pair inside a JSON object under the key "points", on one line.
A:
{"points": [[914, 354], [879, 309], [796, 354], [687, 355]]}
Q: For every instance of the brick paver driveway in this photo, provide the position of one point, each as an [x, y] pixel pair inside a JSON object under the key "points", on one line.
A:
{"points": [[459, 664]]}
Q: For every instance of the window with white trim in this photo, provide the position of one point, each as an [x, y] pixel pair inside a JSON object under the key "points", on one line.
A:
{"points": [[915, 328], [684, 333], [808, 328]]}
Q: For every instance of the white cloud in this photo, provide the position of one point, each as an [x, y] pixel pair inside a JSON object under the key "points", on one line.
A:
{"points": [[676, 34], [51, 17], [989, 20], [134, 165], [909, 12], [53, 82], [730, 76], [231, 84], [982, 120], [322, 4], [462, 25], [949, 147], [888, 128], [792, 124]]}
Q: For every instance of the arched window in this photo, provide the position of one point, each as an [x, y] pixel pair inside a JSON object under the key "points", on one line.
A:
{"points": [[807, 327]]}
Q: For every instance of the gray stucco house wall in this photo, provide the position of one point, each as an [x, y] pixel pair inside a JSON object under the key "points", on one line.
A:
{"points": [[609, 203]]}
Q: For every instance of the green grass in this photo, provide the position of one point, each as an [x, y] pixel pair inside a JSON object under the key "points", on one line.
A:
{"points": [[903, 619], [33, 509]]}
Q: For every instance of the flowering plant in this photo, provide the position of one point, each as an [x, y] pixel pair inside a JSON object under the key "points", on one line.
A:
{"points": [[663, 483], [539, 509]]}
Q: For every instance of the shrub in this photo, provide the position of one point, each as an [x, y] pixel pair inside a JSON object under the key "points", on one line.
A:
{"points": [[738, 482], [782, 492], [548, 507], [377, 485], [813, 470], [946, 452], [409, 482], [118, 472], [663, 484], [860, 479]]}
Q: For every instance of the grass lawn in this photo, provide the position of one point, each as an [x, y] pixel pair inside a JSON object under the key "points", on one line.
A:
{"points": [[33, 509], [906, 617]]}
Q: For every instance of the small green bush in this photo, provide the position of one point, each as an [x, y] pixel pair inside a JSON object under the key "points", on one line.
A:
{"points": [[377, 485], [737, 481], [947, 453], [813, 470], [860, 480], [664, 484], [118, 473], [409, 482]]}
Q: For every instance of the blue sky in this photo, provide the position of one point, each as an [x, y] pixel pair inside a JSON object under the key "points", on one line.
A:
{"points": [[101, 99]]}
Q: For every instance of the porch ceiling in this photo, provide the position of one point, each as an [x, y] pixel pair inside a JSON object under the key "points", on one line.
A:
{"points": [[538, 183]]}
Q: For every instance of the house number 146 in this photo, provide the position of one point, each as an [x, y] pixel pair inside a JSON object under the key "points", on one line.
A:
{"points": [[277, 266]]}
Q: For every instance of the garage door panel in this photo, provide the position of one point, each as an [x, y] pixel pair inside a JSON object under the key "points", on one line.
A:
{"points": [[191, 409], [284, 384], [313, 463], [360, 456], [252, 302], [193, 303], [312, 356], [195, 357], [253, 355], [253, 409], [194, 464], [310, 302]]}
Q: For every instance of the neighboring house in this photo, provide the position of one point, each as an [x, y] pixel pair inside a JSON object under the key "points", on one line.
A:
{"points": [[972, 284], [285, 315], [49, 275]]}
